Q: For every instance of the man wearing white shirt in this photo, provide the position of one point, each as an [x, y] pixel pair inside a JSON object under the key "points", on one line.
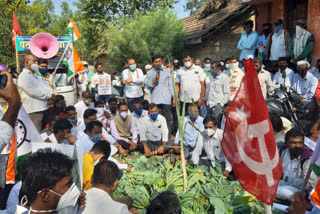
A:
{"points": [[71, 114], [284, 77], [133, 80], [61, 133], [138, 115], [190, 83], [36, 92], [210, 143], [99, 198], [83, 105], [316, 70], [264, 77], [101, 83]]}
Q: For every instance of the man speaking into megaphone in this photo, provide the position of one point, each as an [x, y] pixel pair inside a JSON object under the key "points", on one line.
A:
{"points": [[36, 92]]}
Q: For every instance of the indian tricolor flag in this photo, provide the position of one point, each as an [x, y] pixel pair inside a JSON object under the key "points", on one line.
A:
{"points": [[315, 161], [72, 30], [72, 61]]}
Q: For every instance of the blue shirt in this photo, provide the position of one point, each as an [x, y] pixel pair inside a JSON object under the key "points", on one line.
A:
{"points": [[305, 87], [247, 44], [191, 134], [162, 90]]}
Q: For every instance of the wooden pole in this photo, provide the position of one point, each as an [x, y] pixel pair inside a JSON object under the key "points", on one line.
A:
{"points": [[17, 55]]}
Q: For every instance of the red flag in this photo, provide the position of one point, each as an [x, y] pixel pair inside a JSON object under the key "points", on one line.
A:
{"points": [[248, 141], [15, 29]]}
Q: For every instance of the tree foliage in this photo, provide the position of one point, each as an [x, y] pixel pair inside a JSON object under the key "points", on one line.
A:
{"points": [[194, 6], [157, 32]]}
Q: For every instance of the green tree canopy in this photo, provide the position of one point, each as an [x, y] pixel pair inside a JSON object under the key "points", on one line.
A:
{"points": [[194, 6], [157, 32]]}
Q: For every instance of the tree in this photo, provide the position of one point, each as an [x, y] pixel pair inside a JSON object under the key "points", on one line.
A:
{"points": [[157, 32], [194, 6]]}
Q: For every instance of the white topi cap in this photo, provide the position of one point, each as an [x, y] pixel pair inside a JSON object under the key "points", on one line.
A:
{"points": [[176, 61], [303, 62], [148, 67]]}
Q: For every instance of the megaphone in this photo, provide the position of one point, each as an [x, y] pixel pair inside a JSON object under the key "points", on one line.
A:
{"points": [[44, 45]]}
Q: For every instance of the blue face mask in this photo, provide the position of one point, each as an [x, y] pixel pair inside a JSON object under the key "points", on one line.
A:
{"points": [[95, 137], [154, 116], [63, 106], [139, 112], [86, 70], [133, 67], [43, 71], [194, 117], [215, 73], [72, 120], [277, 28]]}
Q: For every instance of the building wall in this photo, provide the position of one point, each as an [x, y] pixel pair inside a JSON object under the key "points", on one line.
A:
{"points": [[314, 27], [223, 43]]}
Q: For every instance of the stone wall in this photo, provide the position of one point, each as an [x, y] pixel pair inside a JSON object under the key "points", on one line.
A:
{"points": [[222, 43]]}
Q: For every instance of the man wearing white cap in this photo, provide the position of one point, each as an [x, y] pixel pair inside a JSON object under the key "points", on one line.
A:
{"points": [[301, 44], [304, 83], [147, 95]]}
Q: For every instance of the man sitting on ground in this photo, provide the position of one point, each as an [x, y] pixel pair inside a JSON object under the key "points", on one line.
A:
{"points": [[138, 115], [123, 129], [99, 198], [83, 105], [210, 143], [71, 114], [61, 133], [295, 157], [154, 132], [193, 128]]}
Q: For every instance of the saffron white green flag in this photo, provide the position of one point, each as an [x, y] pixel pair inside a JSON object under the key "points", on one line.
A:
{"points": [[72, 30]]}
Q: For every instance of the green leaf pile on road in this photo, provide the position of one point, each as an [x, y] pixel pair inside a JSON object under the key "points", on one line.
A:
{"points": [[208, 191]]}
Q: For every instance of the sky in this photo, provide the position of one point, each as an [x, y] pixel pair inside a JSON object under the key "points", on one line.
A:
{"points": [[178, 7]]}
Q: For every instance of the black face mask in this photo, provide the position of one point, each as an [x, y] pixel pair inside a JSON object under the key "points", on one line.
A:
{"points": [[266, 32], [300, 70], [282, 67], [296, 152]]}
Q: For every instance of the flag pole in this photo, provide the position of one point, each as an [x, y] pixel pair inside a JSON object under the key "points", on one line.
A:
{"points": [[267, 209], [306, 179], [17, 56]]}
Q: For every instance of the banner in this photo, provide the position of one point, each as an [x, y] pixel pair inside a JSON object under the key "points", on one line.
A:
{"points": [[24, 41]]}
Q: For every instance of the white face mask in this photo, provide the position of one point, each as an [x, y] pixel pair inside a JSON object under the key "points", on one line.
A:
{"points": [[188, 64], [299, 30], [124, 115], [228, 66], [234, 65], [34, 67], [210, 132], [207, 66], [68, 199], [100, 114]]}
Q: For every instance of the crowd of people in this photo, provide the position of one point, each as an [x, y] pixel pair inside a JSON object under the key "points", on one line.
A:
{"points": [[102, 127]]}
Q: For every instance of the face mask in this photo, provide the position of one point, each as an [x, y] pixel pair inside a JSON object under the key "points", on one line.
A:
{"points": [[68, 199], [188, 64], [133, 67], [299, 30], [282, 67], [234, 65], [300, 70], [207, 67], [43, 71], [34, 67], [139, 112], [215, 73], [266, 32], [248, 31], [154, 116], [194, 117], [210, 132], [95, 137], [72, 120], [228, 66], [124, 115], [100, 113], [63, 106], [86, 70], [277, 28], [87, 101]]}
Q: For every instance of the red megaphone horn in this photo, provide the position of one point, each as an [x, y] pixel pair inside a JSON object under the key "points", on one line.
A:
{"points": [[44, 45]]}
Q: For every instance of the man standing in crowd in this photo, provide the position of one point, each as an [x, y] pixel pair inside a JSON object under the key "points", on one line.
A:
{"points": [[124, 130], [101, 83], [154, 132], [207, 66], [284, 77], [162, 93], [301, 44], [194, 127], [295, 160], [133, 80], [278, 43], [304, 83], [218, 90], [248, 41], [236, 75], [210, 142], [36, 93], [83, 105], [264, 77], [263, 38], [190, 83], [147, 94]]}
